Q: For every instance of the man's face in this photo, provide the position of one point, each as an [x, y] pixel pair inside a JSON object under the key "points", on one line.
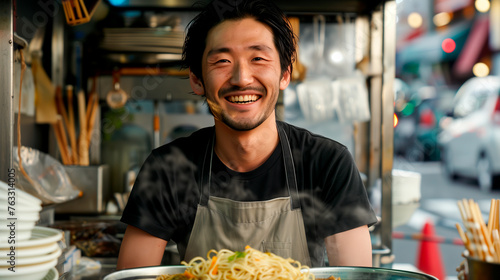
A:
{"points": [[241, 73]]}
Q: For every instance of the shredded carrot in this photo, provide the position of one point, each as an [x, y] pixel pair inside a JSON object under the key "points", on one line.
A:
{"points": [[247, 247], [188, 274], [212, 265]]}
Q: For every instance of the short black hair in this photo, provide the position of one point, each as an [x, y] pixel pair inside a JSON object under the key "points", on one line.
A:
{"points": [[218, 11]]}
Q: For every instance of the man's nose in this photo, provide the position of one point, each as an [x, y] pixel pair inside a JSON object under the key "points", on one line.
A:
{"points": [[242, 74]]}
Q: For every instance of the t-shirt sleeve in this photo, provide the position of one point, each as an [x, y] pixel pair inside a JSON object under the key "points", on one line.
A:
{"points": [[161, 201], [346, 203]]}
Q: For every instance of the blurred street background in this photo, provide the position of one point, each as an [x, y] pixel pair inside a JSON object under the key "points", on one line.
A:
{"points": [[447, 114]]}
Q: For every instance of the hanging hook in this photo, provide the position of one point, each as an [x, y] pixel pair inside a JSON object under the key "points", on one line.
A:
{"points": [[19, 41], [319, 35]]}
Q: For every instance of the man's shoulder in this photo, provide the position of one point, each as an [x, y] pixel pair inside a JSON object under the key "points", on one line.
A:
{"points": [[303, 137], [192, 144]]}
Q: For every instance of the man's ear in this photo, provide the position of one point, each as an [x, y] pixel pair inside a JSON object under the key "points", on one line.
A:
{"points": [[196, 84], [285, 79]]}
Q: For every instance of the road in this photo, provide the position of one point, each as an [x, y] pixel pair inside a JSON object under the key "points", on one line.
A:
{"points": [[438, 203]]}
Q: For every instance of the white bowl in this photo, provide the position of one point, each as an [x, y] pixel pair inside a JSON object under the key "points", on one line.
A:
{"points": [[20, 196], [25, 215], [19, 234], [6, 224], [28, 272], [30, 251], [40, 236], [20, 260], [19, 206]]}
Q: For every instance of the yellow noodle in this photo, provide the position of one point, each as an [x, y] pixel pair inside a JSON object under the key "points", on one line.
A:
{"points": [[250, 264]]}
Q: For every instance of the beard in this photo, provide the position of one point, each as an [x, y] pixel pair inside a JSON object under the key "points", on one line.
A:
{"points": [[236, 123], [240, 125]]}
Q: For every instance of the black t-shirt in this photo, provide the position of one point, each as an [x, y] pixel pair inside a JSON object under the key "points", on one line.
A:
{"points": [[165, 196]]}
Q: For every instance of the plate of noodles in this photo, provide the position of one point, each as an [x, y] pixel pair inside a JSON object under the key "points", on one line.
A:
{"points": [[224, 264], [254, 264]]}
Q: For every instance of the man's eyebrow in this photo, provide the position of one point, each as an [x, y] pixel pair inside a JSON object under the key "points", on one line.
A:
{"points": [[260, 48], [217, 51], [226, 49]]}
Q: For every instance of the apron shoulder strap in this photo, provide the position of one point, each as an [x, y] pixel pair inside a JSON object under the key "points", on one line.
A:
{"points": [[291, 179], [206, 171]]}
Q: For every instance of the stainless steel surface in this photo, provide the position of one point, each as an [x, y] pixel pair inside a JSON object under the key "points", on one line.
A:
{"points": [[387, 128], [150, 87], [6, 88], [58, 55], [360, 137], [345, 273], [377, 254], [317, 6], [93, 181], [369, 273], [374, 144], [481, 270], [145, 273], [375, 85]]}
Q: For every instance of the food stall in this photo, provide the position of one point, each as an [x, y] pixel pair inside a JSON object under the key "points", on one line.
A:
{"points": [[96, 55]]}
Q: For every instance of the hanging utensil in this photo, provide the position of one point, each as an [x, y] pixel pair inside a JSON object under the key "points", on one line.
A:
{"points": [[116, 97], [319, 23], [71, 125], [299, 70], [45, 107], [78, 12], [83, 145], [92, 107]]}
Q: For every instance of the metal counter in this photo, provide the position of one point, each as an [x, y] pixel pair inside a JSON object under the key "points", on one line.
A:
{"points": [[108, 265]]}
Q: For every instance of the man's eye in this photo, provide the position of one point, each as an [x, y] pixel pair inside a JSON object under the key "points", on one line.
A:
{"points": [[222, 60], [258, 59]]}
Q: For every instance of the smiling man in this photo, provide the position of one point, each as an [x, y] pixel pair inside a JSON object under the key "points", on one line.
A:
{"points": [[249, 179]]}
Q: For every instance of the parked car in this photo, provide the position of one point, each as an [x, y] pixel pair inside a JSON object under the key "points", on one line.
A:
{"points": [[470, 139], [419, 112]]}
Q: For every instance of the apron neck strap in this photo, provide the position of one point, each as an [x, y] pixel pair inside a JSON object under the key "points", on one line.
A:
{"points": [[206, 171], [291, 180]]}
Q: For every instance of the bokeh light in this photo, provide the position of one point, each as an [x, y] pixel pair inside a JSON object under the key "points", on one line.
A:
{"points": [[480, 69], [408, 109], [448, 45], [442, 19], [117, 2], [415, 20], [336, 56], [482, 6]]}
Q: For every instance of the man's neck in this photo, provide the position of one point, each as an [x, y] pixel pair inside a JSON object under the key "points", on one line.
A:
{"points": [[244, 151]]}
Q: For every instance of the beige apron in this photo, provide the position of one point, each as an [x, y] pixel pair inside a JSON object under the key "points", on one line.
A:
{"points": [[274, 225]]}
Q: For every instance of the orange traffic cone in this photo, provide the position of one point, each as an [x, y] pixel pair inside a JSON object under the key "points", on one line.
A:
{"points": [[429, 256]]}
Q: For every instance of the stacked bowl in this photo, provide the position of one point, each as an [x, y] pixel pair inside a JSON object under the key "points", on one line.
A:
{"points": [[27, 251]]}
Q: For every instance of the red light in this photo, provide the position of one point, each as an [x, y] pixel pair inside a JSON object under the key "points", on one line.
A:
{"points": [[427, 118], [448, 45], [496, 112], [395, 120]]}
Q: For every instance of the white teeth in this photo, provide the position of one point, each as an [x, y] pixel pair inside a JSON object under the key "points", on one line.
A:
{"points": [[243, 98]]}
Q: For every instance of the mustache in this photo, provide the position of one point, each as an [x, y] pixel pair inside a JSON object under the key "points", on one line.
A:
{"points": [[231, 89]]}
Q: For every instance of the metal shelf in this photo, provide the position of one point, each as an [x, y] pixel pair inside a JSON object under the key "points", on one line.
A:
{"points": [[289, 6]]}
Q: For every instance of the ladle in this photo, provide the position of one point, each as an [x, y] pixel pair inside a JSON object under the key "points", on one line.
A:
{"points": [[116, 97]]}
